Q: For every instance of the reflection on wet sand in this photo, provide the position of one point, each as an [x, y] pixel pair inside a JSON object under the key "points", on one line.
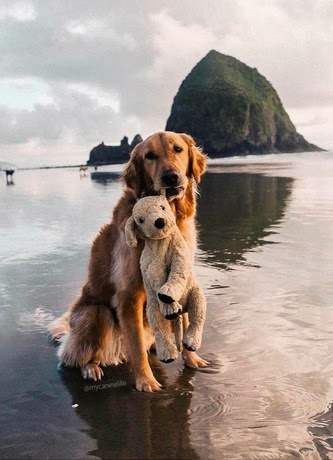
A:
{"points": [[322, 432], [128, 424], [104, 178], [236, 213]]}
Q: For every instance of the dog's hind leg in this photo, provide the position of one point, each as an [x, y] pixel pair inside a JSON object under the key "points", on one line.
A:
{"points": [[59, 327], [93, 340]]}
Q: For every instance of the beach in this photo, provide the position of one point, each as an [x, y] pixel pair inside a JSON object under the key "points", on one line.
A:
{"points": [[265, 261]]}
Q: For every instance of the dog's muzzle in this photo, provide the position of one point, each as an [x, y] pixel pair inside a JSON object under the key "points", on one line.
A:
{"points": [[170, 182], [173, 191], [169, 178]]}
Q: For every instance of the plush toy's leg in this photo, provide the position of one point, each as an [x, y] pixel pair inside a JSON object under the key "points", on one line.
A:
{"points": [[166, 348], [178, 331], [172, 291], [196, 305], [191, 359]]}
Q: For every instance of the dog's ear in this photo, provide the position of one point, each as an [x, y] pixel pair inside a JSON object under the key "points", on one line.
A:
{"points": [[133, 173], [130, 234], [197, 161]]}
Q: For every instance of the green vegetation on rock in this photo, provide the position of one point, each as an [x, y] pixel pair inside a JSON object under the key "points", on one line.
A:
{"points": [[230, 109]]}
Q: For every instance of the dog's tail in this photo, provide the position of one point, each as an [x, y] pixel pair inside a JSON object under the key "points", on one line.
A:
{"points": [[59, 327]]}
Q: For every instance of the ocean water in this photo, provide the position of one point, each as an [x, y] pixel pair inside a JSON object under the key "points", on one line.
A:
{"points": [[265, 261]]}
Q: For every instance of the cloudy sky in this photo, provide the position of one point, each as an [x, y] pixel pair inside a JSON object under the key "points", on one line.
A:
{"points": [[74, 73]]}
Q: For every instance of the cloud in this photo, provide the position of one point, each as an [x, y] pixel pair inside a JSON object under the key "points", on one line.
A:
{"points": [[101, 97], [23, 93], [291, 44], [78, 114], [75, 73], [176, 46], [92, 29], [314, 123], [17, 11]]}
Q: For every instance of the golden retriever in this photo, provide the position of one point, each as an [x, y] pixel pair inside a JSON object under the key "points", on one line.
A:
{"points": [[107, 324]]}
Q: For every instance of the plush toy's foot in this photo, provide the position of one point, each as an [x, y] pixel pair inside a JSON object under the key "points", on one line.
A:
{"points": [[188, 347], [170, 309], [173, 315], [165, 298], [166, 351], [192, 340], [167, 361]]}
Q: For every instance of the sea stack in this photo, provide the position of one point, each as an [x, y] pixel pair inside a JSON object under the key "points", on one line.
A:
{"points": [[112, 154], [231, 109]]}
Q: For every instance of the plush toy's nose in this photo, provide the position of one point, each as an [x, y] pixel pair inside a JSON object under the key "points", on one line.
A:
{"points": [[160, 223]]}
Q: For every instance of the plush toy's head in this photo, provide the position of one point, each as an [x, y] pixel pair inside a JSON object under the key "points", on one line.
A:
{"points": [[152, 217]]}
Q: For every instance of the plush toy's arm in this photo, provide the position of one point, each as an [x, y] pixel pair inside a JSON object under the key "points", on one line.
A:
{"points": [[179, 274]]}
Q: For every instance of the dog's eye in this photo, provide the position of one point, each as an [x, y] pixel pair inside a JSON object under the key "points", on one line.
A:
{"points": [[163, 207], [151, 156], [177, 149], [141, 220]]}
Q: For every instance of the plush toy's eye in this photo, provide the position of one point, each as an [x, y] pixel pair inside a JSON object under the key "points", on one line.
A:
{"points": [[141, 220], [163, 207]]}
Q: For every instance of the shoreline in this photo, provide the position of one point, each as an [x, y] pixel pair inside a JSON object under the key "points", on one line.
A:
{"points": [[51, 167], [227, 159]]}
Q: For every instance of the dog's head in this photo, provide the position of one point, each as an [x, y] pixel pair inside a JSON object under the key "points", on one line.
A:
{"points": [[164, 163], [152, 217]]}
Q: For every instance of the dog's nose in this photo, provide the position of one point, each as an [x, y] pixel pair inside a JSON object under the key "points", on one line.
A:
{"points": [[170, 178], [160, 223]]}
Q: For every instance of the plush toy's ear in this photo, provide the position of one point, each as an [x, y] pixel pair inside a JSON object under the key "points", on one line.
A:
{"points": [[130, 235], [197, 160]]}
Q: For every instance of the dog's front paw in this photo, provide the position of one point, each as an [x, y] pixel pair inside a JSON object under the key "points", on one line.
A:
{"points": [[92, 371], [192, 360], [147, 383]]}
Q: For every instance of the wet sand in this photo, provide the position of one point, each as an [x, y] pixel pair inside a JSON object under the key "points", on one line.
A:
{"points": [[266, 263]]}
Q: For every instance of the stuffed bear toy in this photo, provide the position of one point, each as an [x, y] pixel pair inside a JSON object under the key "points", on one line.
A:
{"points": [[168, 276]]}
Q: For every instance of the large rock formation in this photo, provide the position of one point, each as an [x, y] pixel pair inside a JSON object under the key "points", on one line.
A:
{"points": [[230, 109], [111, 154]]}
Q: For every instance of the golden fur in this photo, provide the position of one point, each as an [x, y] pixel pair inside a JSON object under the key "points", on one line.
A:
{"points": [[91, 334]]}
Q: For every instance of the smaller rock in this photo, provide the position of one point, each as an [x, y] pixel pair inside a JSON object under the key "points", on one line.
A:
{"points": [[136, 140], [112, 154]]}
